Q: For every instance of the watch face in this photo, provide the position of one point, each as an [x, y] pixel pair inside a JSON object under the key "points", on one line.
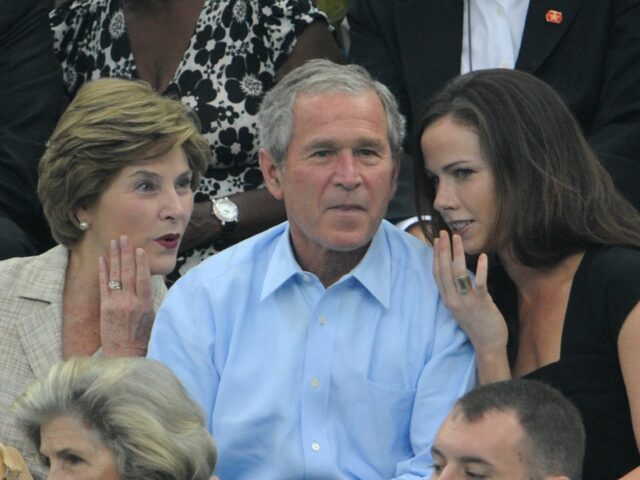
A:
{"points": [[225, 210]]}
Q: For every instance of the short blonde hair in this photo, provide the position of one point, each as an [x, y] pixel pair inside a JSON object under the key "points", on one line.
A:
{"points": [[139, 409], [110, 124]]}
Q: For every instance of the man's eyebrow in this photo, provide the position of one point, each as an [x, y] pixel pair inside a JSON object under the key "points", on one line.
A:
{"points": [[472, 459], [463, 459], [370, 142], [323, 143]]}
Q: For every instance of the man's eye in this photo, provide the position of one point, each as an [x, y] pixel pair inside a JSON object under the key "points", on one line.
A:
{"points": [[44, 460], [476, 476], [369, 156], [367, 152], [322, 153]]}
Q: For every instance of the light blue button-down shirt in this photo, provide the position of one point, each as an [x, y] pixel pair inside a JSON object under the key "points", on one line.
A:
{"points": [[298, 381]]}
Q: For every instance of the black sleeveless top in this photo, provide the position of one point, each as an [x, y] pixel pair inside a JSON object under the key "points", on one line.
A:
{"points": [[605, 289]]}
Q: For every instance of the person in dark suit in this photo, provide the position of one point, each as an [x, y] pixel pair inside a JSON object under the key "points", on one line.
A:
{"points": [[587, 50], [30, 92]]}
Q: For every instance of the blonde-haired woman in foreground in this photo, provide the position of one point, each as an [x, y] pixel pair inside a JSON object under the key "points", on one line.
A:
{"points": [[116, 419]]}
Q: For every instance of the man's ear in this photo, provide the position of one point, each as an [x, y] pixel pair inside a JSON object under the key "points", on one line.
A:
{"points": [[271, 173]]}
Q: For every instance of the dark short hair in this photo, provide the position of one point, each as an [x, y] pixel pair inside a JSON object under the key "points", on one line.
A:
{"points": [[110, 124], [553, 197], [554, 434]]}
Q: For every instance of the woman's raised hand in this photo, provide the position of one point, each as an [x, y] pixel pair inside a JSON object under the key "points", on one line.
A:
{"points": [[126, 304], [472, 306]]}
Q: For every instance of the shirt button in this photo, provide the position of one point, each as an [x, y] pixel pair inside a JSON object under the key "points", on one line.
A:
{"points": [[499, 12], [306, 278], [315, 446], [504, 65], [322, 319], [315, 383]]}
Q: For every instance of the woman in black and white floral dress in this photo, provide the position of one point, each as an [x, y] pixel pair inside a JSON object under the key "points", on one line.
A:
{"points": [[217, 56]]}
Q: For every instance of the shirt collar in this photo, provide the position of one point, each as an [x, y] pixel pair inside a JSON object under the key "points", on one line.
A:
{"points": [[373, 272], [282, 265]]}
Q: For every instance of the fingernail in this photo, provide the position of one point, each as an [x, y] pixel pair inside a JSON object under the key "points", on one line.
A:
{"points": [[140, 253], [124, 241], [114, 245]]}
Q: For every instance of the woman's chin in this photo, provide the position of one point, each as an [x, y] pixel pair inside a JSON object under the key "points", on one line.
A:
{"points": [[162, 267], [470, 248]]}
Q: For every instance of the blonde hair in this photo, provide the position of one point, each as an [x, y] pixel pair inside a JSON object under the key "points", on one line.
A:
{"points": [[111, 124], [139, 409]]}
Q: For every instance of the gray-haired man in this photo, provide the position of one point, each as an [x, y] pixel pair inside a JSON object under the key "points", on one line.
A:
{"points": [[320, 348]]}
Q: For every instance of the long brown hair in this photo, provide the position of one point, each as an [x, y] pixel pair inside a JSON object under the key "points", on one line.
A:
{"points": [[553, 196]]}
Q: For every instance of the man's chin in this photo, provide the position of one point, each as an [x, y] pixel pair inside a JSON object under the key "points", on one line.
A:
{"points": [[350, 243]]}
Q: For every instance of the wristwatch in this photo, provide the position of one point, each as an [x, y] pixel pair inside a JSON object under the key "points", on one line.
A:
{"points": [[227, 212]]}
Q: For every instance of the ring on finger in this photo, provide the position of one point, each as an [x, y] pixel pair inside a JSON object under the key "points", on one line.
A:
{"points": [[114, 285], [463, 284]]}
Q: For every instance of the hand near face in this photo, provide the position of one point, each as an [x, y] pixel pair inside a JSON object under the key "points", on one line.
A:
{"points": [[475, 311], [126, 313]]}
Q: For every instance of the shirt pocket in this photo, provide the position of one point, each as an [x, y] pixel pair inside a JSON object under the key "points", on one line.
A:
{"points": [[384, 412]]}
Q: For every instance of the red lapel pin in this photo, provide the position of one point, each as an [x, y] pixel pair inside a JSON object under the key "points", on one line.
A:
{"points": [[553, 16]]}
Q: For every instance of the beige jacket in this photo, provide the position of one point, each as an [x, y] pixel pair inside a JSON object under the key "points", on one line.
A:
{"points": [[31, 291]]}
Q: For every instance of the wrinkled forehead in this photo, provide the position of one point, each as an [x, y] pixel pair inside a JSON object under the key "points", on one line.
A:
{"points": [[340, 113]]}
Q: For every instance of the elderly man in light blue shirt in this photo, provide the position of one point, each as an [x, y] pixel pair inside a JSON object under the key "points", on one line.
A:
{"points": [[320, 348]]}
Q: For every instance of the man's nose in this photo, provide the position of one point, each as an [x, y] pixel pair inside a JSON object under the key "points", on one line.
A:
{"points": [[347, 170]]}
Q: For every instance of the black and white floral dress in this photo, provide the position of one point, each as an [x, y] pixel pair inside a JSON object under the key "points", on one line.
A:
{"points": [[230, 62]]}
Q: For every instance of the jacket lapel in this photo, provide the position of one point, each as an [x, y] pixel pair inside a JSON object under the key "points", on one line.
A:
{"points": [[41, 338], [40, 333], [541, 36], [428, 48]]}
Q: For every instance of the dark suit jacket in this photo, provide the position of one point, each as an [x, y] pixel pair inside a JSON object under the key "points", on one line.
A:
{"points": [[592, 58], [30, 91]]}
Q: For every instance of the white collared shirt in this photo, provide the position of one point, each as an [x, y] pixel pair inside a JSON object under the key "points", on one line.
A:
{"points": [[496, 33]]}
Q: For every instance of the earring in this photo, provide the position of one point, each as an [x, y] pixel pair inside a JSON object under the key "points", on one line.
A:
{"points": [[84, 226]]}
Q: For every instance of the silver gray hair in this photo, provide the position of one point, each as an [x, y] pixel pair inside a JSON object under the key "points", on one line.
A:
{"points": [[138, 408], [275, 118]]}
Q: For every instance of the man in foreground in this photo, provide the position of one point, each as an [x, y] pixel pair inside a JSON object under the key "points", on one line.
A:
{"points": [[320, 348], [515, 430]]}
